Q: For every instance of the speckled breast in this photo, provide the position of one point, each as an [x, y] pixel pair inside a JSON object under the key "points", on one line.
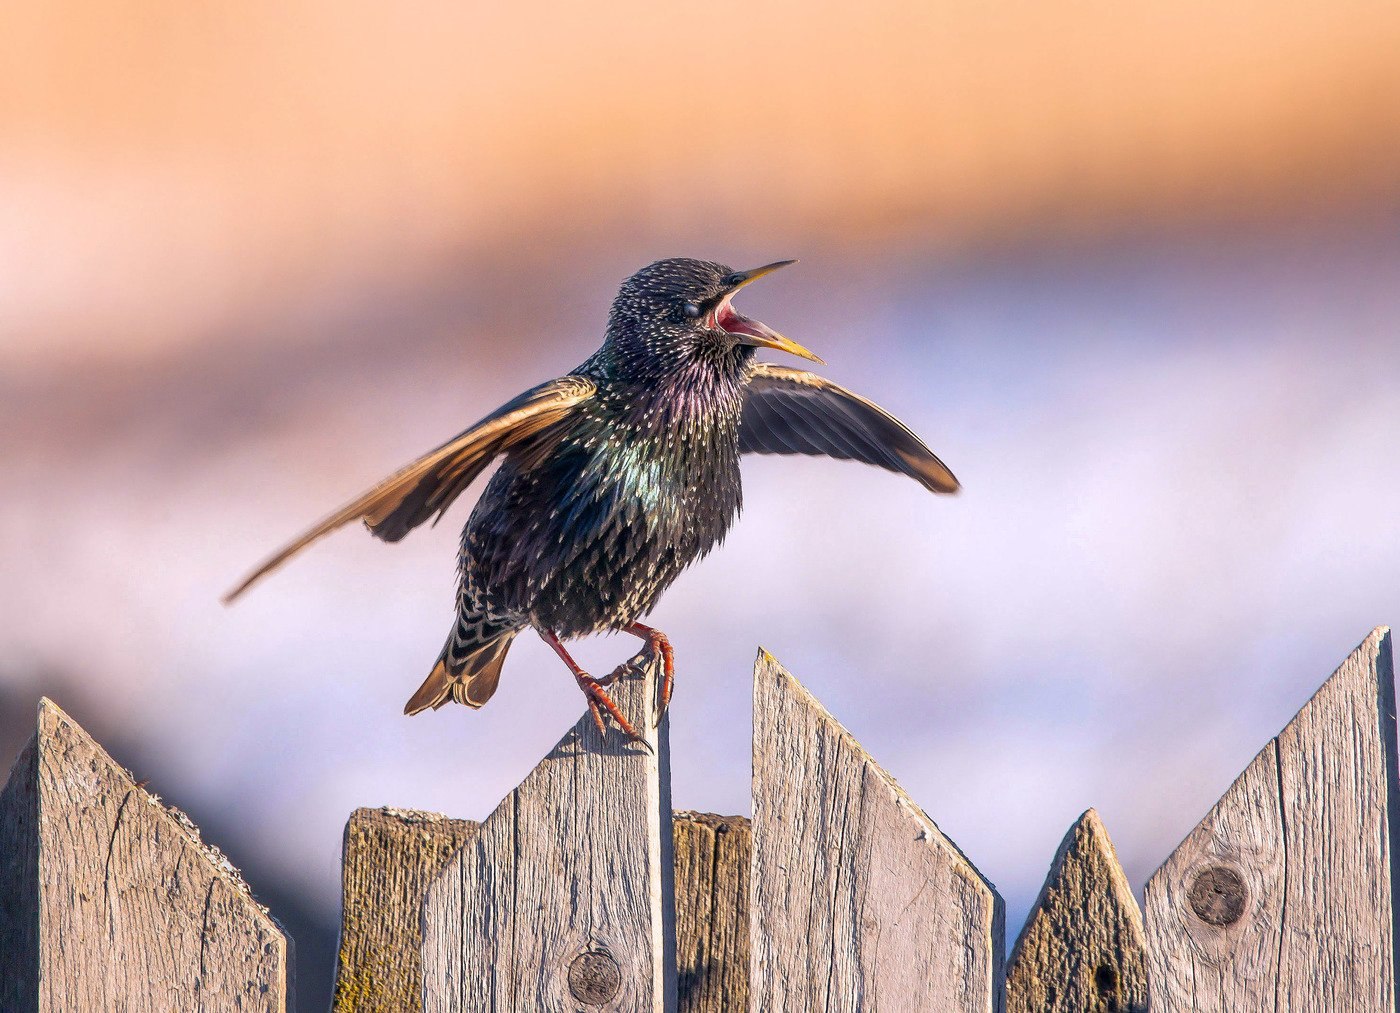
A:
{"points": [[588, 538]]}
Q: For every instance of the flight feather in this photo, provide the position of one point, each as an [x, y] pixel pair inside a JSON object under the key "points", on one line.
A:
{"points": [[428, 486], [792, 411]]}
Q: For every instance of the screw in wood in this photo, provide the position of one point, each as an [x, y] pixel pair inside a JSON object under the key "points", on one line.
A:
{"points": [[1218, 895], [594, 978]]}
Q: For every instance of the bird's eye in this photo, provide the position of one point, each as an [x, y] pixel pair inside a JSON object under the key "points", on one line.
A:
{"points": [[690, 310]]}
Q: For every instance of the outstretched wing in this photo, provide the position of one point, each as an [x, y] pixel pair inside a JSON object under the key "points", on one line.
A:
{"points": [[791, 411], [412, 494]]}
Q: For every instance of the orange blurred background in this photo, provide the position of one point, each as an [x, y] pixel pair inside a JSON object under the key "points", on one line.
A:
{"points": [[178, 163], [1132, 267]]}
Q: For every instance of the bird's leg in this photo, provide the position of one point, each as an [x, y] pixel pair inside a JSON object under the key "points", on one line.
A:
{"points": [[657, 644], [593, 692]]}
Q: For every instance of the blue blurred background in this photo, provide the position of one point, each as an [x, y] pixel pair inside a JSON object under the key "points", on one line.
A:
{"points": [[1132, 269]]}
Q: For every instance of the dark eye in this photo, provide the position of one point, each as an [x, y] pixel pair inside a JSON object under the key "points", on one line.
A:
{"points": [[690, 310]]}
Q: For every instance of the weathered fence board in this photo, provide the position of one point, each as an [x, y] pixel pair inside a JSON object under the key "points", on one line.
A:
{"points": [[1082, 949], [713, 854], [580, 893], [563, 901], [859, 901], [112, 902], [390, 857], [1284, 896]]}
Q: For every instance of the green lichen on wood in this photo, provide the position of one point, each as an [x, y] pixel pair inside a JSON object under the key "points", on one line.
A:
{"points": [[391, 857]]}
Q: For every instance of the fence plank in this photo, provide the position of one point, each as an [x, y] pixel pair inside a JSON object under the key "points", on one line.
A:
{"points": [[391, 855], [120, 905], [1082, 949], [1284, 896], [859, 901], [564, 899], [1231, 961], [712, 912]]}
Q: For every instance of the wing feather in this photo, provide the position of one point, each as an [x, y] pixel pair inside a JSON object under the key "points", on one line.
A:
{"points": [[428, 486], [792, 411]]}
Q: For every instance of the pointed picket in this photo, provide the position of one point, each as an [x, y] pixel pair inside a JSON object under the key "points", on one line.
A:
{"points": [[1284, 896], [1082, 949], [859, 901], [109, 900], [563, 899]]}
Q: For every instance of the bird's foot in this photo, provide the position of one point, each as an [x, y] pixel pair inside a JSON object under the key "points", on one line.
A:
{"points": [[600, 704], [657, 647]]}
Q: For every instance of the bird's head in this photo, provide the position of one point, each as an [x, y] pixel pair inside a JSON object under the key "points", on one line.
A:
{"points": [[681, 309]]}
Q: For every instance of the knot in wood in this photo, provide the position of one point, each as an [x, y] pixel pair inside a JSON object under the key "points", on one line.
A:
{"points": [[594, 978], [1218, 895]]}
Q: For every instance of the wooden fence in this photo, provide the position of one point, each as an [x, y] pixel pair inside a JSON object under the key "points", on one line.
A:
{"points": [[584, 891]]}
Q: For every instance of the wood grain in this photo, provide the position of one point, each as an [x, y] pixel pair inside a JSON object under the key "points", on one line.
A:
{"points": [[713, 854], [571, 871], [859, 901], [1284, 896], [1082, 949], [390, 857], [122, 907]]}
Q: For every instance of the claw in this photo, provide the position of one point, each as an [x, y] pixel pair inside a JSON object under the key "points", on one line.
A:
{"points": [[657, 646], [597, 717], [600, 703]]}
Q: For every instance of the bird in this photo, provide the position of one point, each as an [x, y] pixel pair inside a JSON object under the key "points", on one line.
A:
{"points": [[617, 476]]}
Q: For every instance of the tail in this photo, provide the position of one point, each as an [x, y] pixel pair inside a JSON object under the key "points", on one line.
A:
{"points": [[469, 667]]}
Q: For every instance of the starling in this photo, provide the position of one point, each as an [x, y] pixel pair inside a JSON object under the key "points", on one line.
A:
{"points": [[615, 478]]}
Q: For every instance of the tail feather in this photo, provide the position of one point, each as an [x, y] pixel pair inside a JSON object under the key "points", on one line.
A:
{"points": [[467, 672]]}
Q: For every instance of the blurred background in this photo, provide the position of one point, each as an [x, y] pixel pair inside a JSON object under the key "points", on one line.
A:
{"points": [[1132, 269]]}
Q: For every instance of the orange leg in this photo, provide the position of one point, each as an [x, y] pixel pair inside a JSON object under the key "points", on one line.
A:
{"points": [[593, 692], [657, 644]]}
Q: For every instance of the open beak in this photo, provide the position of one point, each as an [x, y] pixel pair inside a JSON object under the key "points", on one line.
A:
{"points": [[754, 332]]}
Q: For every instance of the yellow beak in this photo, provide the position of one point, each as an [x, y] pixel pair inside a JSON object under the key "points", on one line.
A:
{"points": [[755, 332]]}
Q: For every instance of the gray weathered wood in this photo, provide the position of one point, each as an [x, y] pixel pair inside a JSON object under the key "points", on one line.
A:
{"points": [[112, 901], [391, 855], [1284, 896], [566, 891], [713, 854], [859, 901], [1082, 949]]}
